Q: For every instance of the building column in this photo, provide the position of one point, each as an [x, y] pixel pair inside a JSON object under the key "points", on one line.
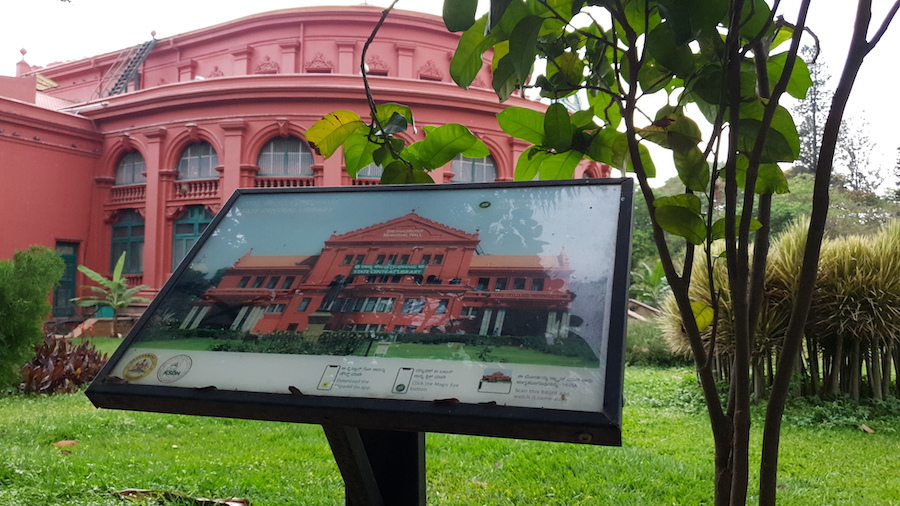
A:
{"points": [[498, 325], [347, 64], [552, 327], [485, 322], [154, 210], [186, 69], [564, 325], [231, 161], [289, 50], [241, 56], [405, 60]]}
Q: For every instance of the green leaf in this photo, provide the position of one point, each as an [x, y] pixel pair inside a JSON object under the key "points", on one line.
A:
{"points": [[693, 170], [443, 143], [467, 60], [529, 163], [769, 178], [653, 77], [523, 46], [682, 222], [622, 160], [504, 82], [688, 201], [703, 315], [395, 125], [497, 11], [782, 141], [559, 165], [398, 172], [387, 110], [676, 57], [459, 15], [601, 147], [327, 134], [754, 16], [358, 151], [800, 80], [558, 130], [606, 108], [570, 66], [718, 228], [522, 123], [478, 150]]}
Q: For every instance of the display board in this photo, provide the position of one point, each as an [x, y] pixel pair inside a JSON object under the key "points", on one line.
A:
{"points": [[494, 309]]}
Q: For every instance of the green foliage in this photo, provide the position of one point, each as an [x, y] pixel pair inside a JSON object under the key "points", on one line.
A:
{"points": [[649, 284], [25, 283], [112, 292], [60, 366], [645, 346]]}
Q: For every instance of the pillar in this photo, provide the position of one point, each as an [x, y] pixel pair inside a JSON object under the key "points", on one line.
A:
{"points": [[231, 159], [154, 211]]}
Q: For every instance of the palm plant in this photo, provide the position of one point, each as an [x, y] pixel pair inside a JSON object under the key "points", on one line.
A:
{"points": [[113, 292]]}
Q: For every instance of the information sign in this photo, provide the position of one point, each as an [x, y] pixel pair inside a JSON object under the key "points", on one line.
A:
{"points": [[495, 309]]}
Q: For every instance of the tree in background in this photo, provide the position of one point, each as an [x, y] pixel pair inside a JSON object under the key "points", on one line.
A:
{"points": [[812, 111], [113, 292], [26, 280], [854, 156]]}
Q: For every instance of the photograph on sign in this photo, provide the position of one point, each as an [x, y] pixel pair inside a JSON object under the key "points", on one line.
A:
{"points": [[488, 294]]}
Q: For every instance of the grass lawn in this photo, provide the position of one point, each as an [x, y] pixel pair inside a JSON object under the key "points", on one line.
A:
{"points": [[666, 457]]}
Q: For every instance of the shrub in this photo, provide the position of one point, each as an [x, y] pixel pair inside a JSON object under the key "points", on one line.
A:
{"points": [[645, 345], [25, 281], [60, 366]]}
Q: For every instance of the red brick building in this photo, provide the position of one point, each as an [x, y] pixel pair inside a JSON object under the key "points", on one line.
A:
{"points": [[135, 150], [409, 274]]}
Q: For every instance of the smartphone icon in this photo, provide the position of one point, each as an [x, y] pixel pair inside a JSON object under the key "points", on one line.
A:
{"points": [[328, 376], [401, 383]]}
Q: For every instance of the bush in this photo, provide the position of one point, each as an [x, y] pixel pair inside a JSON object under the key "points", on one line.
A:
{"points": [[645, 345], [25, 281], [60, 366]]}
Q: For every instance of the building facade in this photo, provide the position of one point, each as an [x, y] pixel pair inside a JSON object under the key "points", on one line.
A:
{"points": [[135, 151], [409, 274]]}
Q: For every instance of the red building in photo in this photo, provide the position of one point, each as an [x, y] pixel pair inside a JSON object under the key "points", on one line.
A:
{"points": [[409, 274], [134, 151]]}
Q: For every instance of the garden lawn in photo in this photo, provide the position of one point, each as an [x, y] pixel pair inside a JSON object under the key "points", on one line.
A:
{"points": [[666, 457]]}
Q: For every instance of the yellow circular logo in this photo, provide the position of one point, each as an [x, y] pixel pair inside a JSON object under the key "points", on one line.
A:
{"points": [[139, 367]]}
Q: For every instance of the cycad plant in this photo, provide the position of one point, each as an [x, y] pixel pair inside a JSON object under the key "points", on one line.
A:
{"points": [[113, 292]]}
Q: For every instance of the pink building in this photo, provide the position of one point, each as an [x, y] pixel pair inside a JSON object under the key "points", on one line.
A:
{"points": [[135, 150]]}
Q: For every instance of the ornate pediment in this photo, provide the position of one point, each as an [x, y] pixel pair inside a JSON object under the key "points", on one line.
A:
{"points": [[267, 66], [319, 64], [431, 72], [405, 229]]}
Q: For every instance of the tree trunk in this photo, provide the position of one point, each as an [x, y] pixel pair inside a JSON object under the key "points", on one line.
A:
{"points": [[886, 372], [875, 370], [855, 371], [836, 367], [812, 354]]}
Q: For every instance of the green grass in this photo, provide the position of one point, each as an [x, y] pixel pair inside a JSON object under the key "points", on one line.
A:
{"points": [[666, 457], [106, 345]]}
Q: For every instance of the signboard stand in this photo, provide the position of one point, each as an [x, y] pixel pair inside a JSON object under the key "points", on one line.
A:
{"points": [[379, 467]]}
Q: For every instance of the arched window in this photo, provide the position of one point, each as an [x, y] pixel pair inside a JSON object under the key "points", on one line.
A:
{"points": [[198, 161], [131, 169], [128, 238], [473, 170], [285, 157], [371, 171], [187, 230]]}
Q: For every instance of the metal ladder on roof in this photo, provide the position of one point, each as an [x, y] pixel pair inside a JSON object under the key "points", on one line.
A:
{"points": [[125, 70]]}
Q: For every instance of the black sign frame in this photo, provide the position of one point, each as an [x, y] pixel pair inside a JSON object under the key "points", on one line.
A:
{"points": [[449, 415]]}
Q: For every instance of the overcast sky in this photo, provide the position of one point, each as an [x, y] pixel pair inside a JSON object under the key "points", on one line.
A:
{"points": [[53, 31]]}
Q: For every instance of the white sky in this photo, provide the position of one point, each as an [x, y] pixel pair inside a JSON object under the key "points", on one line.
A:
{"points": [[52, 31]]}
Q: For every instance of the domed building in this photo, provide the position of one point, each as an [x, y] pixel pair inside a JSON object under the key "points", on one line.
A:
{"points": [[134, 151]]}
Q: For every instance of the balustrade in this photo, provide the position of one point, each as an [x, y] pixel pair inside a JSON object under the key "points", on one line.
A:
{"points": [[130, 194], [195, 189], [283, 182]]}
